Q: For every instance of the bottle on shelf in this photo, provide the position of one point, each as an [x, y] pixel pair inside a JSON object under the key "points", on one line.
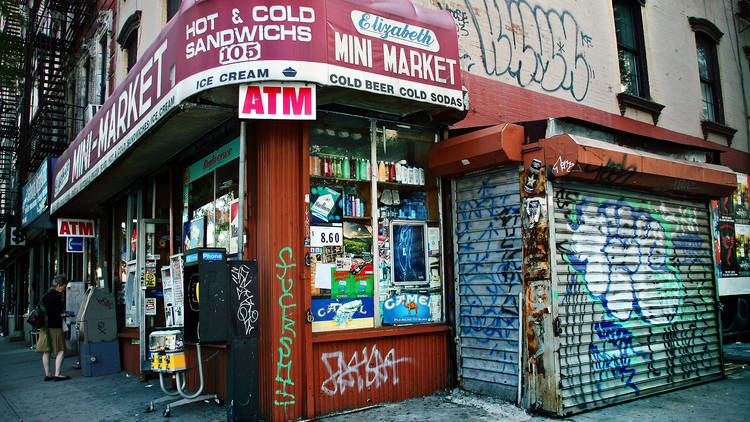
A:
{"points": [[382, 175], [345, 170]]}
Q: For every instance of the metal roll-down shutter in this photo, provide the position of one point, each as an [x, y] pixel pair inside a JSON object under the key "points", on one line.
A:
{"points": [[488, 262], [635, 295]]}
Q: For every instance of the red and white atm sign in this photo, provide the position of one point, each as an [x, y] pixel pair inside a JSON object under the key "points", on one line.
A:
{"points": [[281, 101], [67, 227]]}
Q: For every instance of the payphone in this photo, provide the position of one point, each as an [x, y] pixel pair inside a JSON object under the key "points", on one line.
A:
{"points": [[206, 281]]}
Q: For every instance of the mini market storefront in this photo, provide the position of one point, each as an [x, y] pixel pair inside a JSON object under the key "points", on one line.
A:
{"points": [[295, 135]]}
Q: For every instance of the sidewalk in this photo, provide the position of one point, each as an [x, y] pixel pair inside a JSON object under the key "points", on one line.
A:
{"points": [[24, 396]]}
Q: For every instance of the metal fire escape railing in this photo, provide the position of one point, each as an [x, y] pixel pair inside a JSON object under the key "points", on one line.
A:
{"points": [[47, 31], [10, 98], [58, 25]]}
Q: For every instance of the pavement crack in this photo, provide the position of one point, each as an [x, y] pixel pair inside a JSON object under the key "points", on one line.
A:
{"points": [[10, 406]]}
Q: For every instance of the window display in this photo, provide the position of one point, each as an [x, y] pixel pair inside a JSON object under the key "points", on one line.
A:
{"points": [[372, 270], [211, 196]]}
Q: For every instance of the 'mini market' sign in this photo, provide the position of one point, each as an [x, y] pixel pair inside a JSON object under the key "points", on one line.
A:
{"points": [[387, 48]]}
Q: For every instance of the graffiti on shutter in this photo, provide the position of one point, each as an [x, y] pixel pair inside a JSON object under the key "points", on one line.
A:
{"points": [[488, 264], [635, 295]]}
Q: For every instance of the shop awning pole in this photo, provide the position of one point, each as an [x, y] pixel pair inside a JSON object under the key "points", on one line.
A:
{"points": [[241, 205], [374, 219]]}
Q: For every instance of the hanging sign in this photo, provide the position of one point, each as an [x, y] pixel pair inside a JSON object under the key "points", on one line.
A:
{"points": [[74, 245], [274, 100], [67, 227]]}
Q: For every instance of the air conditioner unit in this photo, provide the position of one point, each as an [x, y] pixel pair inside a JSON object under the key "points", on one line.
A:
{"points": [[91, 109]]}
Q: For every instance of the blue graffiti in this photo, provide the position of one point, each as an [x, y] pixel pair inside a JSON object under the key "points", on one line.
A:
{"points": [[533, 45], [635, 243], [489, 261], [614, 359]]}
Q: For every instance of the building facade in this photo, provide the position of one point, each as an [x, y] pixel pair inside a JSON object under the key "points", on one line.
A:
{"points": [[542, 201]]}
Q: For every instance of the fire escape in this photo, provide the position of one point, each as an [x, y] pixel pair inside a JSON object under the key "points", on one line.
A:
{"points": [[55, 26], [9, 110], [55, 116]]}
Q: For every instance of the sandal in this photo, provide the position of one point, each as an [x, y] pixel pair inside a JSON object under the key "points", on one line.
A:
{"points": [[48, 378], [62, 378]]}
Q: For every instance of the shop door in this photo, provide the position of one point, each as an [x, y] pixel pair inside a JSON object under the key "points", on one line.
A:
{"points": [[487, 244], [635, 295], [152, 253]]}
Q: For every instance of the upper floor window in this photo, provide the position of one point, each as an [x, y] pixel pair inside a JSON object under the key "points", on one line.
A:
{"points": [[102, 69], [128, 38], [173, 6], [707, 37], [630, 47]]}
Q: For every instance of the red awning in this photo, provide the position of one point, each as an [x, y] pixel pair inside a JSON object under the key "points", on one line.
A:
{"points": [[476, 150], [575, 157]]}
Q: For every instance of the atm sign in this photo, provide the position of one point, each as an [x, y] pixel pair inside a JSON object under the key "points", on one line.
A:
{"points": [[284, 101], [67, 227]]}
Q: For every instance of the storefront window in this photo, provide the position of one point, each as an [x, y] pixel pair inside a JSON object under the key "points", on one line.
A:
{"points": [[364, 277], [212, 194]]}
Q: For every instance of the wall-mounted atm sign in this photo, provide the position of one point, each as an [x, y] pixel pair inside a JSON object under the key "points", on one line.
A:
{"points": [[70, 227], [273, 100]]}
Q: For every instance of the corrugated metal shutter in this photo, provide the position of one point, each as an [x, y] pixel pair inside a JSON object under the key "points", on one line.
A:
{"points": [[635, 295], [488, 265]]}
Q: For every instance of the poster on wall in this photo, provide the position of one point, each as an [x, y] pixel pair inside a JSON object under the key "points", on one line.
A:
{"points": [[326, 206], [207, 212], [175, 275], [731, 227], [166, 282], [741, 199], [357, 238], [221, 219], [195, 231], [342, 314], [234, 225], [742, 247], [409, 308], [150, 306], [409, 252], [350, 278]]}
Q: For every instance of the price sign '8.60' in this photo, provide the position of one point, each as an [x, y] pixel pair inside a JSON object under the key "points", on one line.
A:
{"points": [[326, 236]]}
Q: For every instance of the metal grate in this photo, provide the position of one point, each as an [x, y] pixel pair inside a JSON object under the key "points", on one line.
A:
{"points": [[636, 295], [489, 259]]}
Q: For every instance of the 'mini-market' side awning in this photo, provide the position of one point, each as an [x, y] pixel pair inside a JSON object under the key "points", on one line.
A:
{"points": [[389, 48]]}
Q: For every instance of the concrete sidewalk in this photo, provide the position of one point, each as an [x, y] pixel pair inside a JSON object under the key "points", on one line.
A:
{"points": [[24, 396]]}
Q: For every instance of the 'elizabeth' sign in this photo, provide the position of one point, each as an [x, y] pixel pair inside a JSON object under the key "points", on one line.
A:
{"points": [[289, 101], [388, 48], [67, 227]]}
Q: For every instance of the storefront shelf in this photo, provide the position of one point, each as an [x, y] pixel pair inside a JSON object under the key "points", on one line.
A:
{"points": [[388, 331], [339, 180], [349, 217], [381, 185], [400, 186]]}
